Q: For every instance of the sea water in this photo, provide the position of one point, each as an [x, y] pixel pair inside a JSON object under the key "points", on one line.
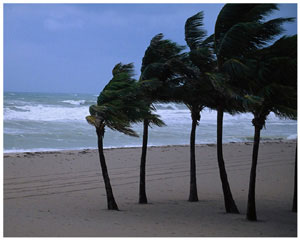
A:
{"points": [[56, 121]]}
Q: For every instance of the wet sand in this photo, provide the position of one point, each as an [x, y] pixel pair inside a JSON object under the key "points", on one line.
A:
{"points": [[55, 194]]}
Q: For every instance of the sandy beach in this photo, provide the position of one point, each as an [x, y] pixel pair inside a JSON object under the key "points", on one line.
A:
{"points": [[56, 194]]}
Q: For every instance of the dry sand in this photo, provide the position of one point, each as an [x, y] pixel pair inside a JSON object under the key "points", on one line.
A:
{"points": [[62, 193]]}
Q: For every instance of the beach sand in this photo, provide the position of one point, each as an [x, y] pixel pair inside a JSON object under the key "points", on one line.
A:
{"points": [[55, 194]]}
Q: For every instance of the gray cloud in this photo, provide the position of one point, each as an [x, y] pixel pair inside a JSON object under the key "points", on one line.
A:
{"points": [[73, 47]]}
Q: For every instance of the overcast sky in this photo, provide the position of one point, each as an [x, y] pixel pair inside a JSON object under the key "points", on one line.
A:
{"points": [[72, 48]]}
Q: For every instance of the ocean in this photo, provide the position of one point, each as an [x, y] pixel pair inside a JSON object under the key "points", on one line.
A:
{"points": [[56, 121]]}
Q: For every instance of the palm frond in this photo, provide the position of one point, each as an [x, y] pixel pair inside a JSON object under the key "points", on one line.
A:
{"points": [[123, 128], [267, 31], [209, 41], [274, 78], [94, 121], [283, 111], [218, 81], [259, 12], [194, 31], [154, 119], [286, 46], [231, 14], [245, 37], [123, 69], [120, 104], [236, 69], [203, 58], [160, 50], [238, 40]]}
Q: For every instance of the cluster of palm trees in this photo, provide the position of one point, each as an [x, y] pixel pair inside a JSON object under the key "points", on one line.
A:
{"points": [[240, 68]]}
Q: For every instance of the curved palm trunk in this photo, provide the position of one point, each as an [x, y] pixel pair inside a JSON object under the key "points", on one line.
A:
{"points": [[294, 208], [193, 181], [230, 205], [111, 203], [142, 190], [251, 209]]}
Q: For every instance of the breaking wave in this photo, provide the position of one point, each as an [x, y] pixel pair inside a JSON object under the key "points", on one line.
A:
{"points": [[75, 102], [57, 121], [45, 113]]}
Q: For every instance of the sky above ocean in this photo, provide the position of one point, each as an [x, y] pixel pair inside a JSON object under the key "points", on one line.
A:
{"points": [[73, 47]]}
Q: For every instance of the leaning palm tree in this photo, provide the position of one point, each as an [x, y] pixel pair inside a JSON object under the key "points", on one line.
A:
{"points": [[194, 89], [203, 57], [240, 29], [153, 85], [118, 106], [268, 82], [273, 77]]}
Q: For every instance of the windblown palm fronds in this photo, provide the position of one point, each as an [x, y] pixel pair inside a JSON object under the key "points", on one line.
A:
{"points": [[240, 31], [273, 79], [119, 105], [155, 86]]}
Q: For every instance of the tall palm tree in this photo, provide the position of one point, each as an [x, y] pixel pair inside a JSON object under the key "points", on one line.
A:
{"points": [[118, 106], [202, 55], [268, 82], [240, 29], [193, 90], [153, 85], [197, 74], [195, 87], [273, 80]]}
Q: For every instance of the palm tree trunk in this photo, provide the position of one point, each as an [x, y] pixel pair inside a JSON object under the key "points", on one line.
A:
{"points": [[142, 190], [294, 209], [230, 205], [193, 181], [111, 203], [251, 209]]}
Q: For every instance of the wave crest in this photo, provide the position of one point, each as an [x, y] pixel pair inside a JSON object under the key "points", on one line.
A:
{"points": [[74, 102], [46, 113]]}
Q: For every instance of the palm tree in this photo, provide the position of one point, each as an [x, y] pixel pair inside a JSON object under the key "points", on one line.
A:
{"points": [[193, 91], [202, 55], [240, 29], [118, 106], [268, 82], [274, 81], [153, 84], [195, 86], [197, 80]]}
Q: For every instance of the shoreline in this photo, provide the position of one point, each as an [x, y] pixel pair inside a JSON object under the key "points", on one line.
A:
{"points": [[137, 147]]}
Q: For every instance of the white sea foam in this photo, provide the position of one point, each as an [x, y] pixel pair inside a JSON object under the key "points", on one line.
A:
{"points": [[46, 113], [170, 106], [174, 116], [291, 137], [171, 117], [30, 150], [43, 150], [39, 123], [74, 102], [207, 116]]}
